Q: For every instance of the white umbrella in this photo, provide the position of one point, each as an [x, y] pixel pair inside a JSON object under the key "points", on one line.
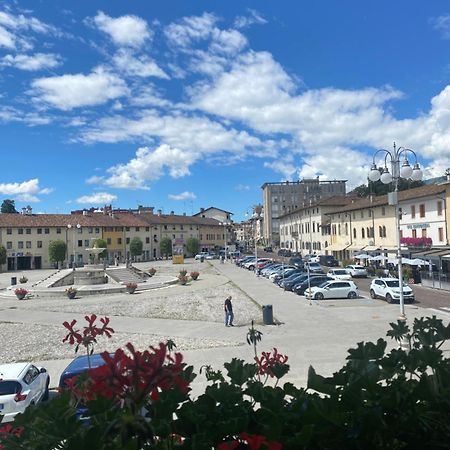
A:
{"points": [[418, 262], [392, 260], [362, 256], [379, 258]]}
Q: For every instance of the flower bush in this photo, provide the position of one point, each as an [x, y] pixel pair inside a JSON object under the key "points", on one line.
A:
{"points": [[71, 292], [20, 292], [131, 287], [183, 279], [183, 272], [194, 274], [416, 242], [152, 271], [23, 279], [141, 400]]}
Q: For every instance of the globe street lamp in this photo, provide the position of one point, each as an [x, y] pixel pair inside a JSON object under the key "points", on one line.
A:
{"points": [[73, 227], [225, 234], [398, 170]]}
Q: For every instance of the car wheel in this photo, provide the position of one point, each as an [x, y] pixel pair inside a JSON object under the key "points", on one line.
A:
{"points": [[372, 294], [251, 268], [352, 294], [389, 298], [46, 393], [318, 296]]}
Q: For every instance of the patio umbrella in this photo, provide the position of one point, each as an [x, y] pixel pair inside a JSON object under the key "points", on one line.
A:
{"points": [[379, 258], [362, 256], [418, 262]]}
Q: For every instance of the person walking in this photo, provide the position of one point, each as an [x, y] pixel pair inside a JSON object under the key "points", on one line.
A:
{"points": [[229, 316]]}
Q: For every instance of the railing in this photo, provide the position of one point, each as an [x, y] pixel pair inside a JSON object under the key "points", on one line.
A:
{"points": [[436, 280]]}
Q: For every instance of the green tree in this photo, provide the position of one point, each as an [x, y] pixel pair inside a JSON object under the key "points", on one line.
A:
{"points": [[101, 243], [165, 246], [57, 251], [378, 188], [192, 245], [136, 246], [8, 206], [2, 256]]}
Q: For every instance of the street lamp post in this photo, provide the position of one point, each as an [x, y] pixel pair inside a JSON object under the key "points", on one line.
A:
{"points": [[73, 227], [225, 235], [397, 171]]}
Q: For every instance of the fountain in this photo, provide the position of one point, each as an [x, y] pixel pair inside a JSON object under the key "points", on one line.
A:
{"points": [[91, 273]]}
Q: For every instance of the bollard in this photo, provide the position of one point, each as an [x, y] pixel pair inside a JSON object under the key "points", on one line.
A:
{"points": [[267, 311], [13, 281]]}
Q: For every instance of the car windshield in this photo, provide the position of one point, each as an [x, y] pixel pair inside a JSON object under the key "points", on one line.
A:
{"points": [[340, 272], [359, 267], [392, 283], [324, 284], [9, 387]]}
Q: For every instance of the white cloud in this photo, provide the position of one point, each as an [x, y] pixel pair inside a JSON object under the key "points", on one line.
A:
{"points": [[137, 66], [26, 191], [150, 165], [242, 187], [129, 30], [227, 41], [72, 91], [97, 198], [22, 22], [186, 195], [253, 17], [37, 61], [287, 169], [442, 24], [7, 39]]}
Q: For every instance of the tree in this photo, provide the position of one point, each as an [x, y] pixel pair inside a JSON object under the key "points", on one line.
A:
{"points": [[136, 246], [8, 207], [101, 243], [57, 251], [378, 188], [2, 255], [192, 245], [166, 246]]}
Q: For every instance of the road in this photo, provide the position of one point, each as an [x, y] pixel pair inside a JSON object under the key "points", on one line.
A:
{"points": [[425, 297]]}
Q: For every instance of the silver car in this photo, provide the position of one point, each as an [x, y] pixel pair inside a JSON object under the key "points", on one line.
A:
{"points": [[356, 271]]}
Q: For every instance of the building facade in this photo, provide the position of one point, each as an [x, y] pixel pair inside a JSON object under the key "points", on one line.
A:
{"points": [[284, 197]]}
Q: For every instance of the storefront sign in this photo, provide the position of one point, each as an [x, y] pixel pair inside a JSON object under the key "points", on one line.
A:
{"points": [[418, 225]]}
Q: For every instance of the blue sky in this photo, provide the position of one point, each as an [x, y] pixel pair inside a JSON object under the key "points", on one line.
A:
{"points": [[181, 105]]}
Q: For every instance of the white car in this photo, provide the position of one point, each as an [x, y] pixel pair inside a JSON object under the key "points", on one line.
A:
{"points": [[339, 274], [201, 255], [333, 289], [21, 385], [388, 288], [356, 271]]}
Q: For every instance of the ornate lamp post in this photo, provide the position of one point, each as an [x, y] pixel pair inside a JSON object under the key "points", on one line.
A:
{"points": [[403, 170], [73, 227], [225, 234]]}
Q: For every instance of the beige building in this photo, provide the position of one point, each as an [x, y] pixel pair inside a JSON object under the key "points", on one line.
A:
{"points": [[214, 213], [284, 197]]}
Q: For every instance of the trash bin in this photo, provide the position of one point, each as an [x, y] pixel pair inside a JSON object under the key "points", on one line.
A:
{"points": [[267, 311], [202, 259], [13, 281]]}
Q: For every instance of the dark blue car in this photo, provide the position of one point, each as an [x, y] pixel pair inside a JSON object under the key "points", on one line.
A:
{"points": [[79, 366]]}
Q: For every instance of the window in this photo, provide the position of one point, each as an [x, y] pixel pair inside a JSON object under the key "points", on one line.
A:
{"points": [[108, 241], [137, 228], [370, 213], [86, 243], [147, 228], [90, 230], [9, 231], [439, 208], [383, 211], [58, 230], [181, 227], [97, 230], [127, 240], [9, 245], [39, 244], [165, 227], [20, 230], [413, 211], [354, 233], [127, 228], [119, 241], [119, 229], [147, 240], [39, 231], [47, 230], [28, 230], [414, 233], [20, 244], [441, 234], [80, 243], [424, 232], [31, 375], [384, 231], [422, 210], [362, 214], [368, 232], [28, 244], [362, 233]]}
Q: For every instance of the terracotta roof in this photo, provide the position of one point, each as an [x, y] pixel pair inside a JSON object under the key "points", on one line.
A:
{"points": [[212, 207], [337, 200], [169, 219], [381, 200]]}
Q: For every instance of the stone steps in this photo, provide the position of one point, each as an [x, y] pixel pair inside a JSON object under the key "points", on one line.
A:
{"points": [[124, 275]]}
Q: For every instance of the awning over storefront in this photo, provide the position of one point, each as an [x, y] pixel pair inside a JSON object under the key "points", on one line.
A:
{"points": [[441, 253], [355, 248], [388, 249], [371, 248], [429, 253], [336, 247]]}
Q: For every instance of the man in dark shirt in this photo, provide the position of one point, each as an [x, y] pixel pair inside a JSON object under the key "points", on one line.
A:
{"points": [[229, 316]]}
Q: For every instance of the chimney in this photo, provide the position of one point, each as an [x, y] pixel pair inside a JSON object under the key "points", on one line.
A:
{"points": [[172, 213], [24, 211], [184, 214], [202, 209], [447, 174], [159, 212], [85, 213]]}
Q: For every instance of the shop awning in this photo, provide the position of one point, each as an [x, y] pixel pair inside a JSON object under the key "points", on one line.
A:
{"points": [[430, 253], [388, 248], [355, 248], [441, 253], [336, 247], [371, 248]]}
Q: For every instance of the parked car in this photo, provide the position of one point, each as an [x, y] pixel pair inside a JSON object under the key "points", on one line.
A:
{"points": [[289, 283], [284, 252], [268, 249], [339, 274], [269, 268], [314, 267], [296, 261], [250, 265], [328, 260], [333, 289], [356, 271], [240, 262], [21, 385], [313, 281], [201, 255], [283, 272], [389, 289]]}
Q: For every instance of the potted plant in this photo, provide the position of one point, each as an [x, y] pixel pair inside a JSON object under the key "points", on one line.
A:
{"points": [[183, 279], [23, 279], [71, 292], [183, 272], [194, 275], [21, 293], [152, 271], [131, 287]]}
